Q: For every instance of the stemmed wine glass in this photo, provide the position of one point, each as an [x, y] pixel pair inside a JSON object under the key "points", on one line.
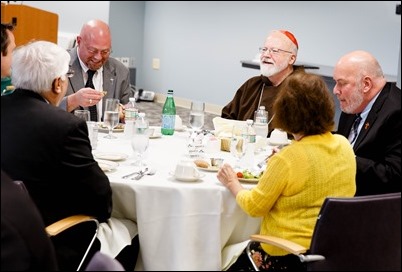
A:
{"points": [[197, 115], [140, 139], [111, 116], [238, 143]]}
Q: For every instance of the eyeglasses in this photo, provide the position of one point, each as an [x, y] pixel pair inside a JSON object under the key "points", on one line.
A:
{"points": [[70, 72], [264, 50], [94, 51]]}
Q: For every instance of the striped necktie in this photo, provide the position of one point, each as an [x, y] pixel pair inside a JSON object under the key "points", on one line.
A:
{"points": [[353, 133], [92, 109]]}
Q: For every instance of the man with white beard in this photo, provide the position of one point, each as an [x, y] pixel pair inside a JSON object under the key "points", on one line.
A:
{"points": [[277, 58]]}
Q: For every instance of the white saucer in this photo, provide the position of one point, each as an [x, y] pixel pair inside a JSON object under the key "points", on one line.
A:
{"points": [[187, 179], [270, 142], [110, 156]]}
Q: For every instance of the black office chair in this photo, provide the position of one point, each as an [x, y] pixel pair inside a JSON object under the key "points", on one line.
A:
{"points": [[351, 234], [73, 238]]}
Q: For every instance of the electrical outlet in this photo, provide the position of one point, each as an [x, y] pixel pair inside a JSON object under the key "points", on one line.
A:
{"points": [[155, 64], [125, 61]]}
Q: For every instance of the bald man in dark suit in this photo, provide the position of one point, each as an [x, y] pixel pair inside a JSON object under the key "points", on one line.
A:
{"points": [[363, 91]]}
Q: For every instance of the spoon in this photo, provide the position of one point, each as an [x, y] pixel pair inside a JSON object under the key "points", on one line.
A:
{"points": [[148, 172]]}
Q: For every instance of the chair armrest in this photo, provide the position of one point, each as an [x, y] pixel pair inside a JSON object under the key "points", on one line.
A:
{"points": [[65, 223], [279, 242]]}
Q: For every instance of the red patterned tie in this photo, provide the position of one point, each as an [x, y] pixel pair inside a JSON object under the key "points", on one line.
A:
{"points": [[92, 109]]}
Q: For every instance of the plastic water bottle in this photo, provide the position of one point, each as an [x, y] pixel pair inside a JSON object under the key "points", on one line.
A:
{"points": [[251, 134], [261, 122], [168, 115], [131, 113], [141, 124]]}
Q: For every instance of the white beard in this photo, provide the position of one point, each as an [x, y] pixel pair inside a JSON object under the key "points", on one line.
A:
{"points": [[270, 70]]}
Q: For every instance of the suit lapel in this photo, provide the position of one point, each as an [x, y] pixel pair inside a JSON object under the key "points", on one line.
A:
{"points": [[77, 81], [372, 116]]}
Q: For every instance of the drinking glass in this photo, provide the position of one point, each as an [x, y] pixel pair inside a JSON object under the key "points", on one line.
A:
{"points": [[83, 114], [197, 115], [111, 116], [238, 143], [139, 143]]}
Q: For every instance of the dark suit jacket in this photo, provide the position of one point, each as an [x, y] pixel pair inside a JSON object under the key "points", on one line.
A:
{"points": [[49, 150], [116, 79], [24, 242], [378, 146]]}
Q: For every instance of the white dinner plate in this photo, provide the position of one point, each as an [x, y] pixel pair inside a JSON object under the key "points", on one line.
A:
{"points": [[118, 128], [107, 165], [189, 179], [110, 156], [248, 180], [209, 169]]}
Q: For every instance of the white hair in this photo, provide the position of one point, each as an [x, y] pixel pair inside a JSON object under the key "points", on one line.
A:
{"points": [[37, 64]]}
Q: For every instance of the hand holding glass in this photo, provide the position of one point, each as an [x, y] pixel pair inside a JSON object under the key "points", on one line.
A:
{"points": [[111, 116]]}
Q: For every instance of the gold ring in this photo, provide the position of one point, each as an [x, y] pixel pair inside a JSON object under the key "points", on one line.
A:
{"points": [[90, 101]]}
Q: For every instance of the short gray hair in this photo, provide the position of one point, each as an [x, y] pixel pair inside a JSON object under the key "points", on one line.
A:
{"points": [[37, 64]]}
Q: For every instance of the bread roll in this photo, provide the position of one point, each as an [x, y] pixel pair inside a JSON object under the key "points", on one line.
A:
{"points": [[201, 163]]}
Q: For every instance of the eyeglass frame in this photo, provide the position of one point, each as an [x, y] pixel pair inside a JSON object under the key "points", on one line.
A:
{"points": [[94, 51], [272, 50], [70, 73]]}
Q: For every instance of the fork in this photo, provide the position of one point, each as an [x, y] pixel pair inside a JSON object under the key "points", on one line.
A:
{"points": [[131, 174], [140, 174]]}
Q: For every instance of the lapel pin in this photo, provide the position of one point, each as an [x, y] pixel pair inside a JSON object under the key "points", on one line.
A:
{"points": [[366, 126]]}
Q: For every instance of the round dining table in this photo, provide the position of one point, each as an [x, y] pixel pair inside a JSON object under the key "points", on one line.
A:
{"points": [[182, 225]]}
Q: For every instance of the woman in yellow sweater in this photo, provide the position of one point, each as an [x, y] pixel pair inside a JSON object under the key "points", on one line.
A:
{"points": [[317, 164]]}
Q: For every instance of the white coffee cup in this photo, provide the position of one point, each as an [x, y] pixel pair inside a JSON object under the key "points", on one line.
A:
{"points": [[186, 169], [278, 137]]}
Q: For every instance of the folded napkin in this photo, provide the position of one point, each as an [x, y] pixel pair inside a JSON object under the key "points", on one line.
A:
{"points": [[224, 127], [178, 125]]}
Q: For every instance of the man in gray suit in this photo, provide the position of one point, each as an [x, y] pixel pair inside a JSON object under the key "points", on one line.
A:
{"points": [[111, 78]]}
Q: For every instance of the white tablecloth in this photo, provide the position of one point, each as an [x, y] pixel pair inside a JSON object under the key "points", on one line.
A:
{"points": [[181, 225]]}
